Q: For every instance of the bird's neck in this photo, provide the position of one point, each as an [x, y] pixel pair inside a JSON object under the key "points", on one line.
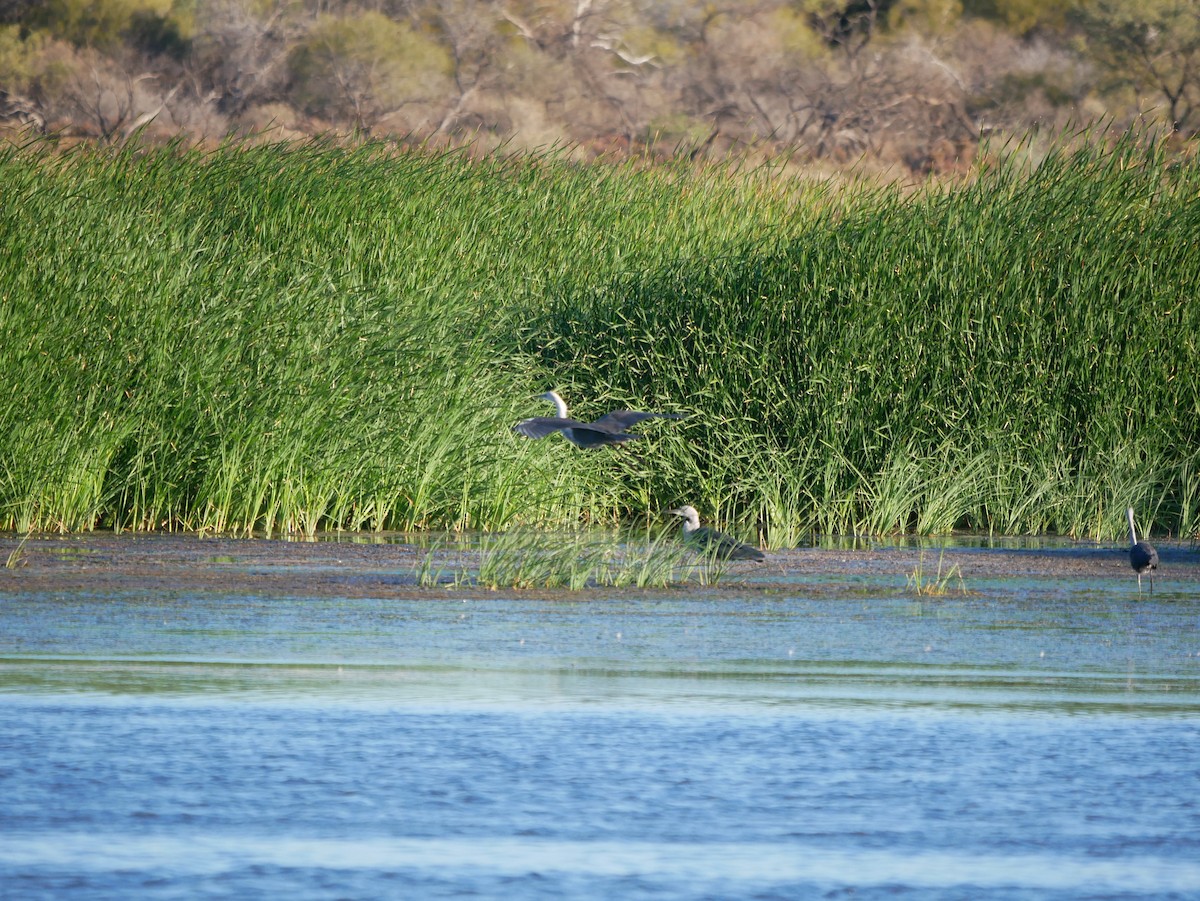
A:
{"points": [[560, 406]]}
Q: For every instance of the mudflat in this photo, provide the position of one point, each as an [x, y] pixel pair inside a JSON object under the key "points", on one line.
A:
{"points": [[353, 565]]}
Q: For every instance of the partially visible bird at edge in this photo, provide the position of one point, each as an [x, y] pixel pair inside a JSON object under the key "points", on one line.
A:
{"points": [[1142, 555], [608, 429], [711, 542]]}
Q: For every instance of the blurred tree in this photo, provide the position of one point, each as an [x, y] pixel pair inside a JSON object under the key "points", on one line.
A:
{"points": [[471, 33], [551, 25], [836, 79], [1024, 17], [109, 99], [1149, 45], [157, 34], [18, 56], [848, 24], [766, 68], [239, 51], [366, 66], [30, 70], [100, 24], [1021, 16], [14, 11], [928, 17], [688, 36]]}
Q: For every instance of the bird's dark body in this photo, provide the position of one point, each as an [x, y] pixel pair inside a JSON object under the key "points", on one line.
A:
{"points": [[1143, 558], [722, 546]]}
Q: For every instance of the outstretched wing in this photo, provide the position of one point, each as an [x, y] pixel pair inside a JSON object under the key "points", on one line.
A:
{"points": [[581, 434], [620, 420], [541, 426]]}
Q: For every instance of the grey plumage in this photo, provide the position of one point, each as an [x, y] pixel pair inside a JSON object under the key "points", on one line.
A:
{"points": [[711, 542], [1142, 555], [608, 429]]}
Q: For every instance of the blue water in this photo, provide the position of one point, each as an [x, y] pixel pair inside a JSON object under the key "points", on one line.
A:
{"points": [[1037, 740]]}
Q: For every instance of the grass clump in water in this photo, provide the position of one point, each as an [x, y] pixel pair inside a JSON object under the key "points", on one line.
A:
{"points": [[570, 561], [939, 584]]}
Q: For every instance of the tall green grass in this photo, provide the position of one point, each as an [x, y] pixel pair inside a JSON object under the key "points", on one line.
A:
{"points": [[311, 337], [305, 337], [1018, 354]]}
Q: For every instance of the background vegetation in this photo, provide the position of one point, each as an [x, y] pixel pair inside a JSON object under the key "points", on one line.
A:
{"points": [[904, 85], [309, 336]]}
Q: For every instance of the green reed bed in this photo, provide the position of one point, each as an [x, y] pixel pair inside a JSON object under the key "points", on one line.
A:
{"points": [[1016, 355], [310, 337]]}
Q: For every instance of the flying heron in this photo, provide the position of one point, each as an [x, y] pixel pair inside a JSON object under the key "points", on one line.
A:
{"points": [[608, 429], [711, 542], [1142, 556]]}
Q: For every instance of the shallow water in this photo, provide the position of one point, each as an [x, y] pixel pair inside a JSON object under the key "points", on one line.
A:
{"points": [[835, 737]]}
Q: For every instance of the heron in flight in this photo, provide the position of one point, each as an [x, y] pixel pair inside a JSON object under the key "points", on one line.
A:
{"points": [[1142, 556], [711, 542], [608, 429]]}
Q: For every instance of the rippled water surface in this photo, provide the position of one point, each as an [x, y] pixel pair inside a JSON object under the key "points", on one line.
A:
{"points": [[1038, 738]]}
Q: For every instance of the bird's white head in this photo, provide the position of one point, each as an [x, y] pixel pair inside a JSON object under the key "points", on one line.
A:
{"points": [[560, 405], [691, 519]]}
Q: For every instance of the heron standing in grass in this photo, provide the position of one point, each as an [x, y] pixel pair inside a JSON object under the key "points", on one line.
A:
{"points": [[1142, 556], [608, 429], [711, 542]]}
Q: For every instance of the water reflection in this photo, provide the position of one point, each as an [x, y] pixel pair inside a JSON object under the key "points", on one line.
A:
{"points": [[990, 649], [781, 686], [747, 867]]}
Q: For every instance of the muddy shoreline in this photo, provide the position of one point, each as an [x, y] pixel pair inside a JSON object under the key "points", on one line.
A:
{"points": [[366, 566]]}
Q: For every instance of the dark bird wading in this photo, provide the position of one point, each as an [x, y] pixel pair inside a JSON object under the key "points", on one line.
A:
{"points": [[1142, 556], [711, 542], [608, 429]]}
